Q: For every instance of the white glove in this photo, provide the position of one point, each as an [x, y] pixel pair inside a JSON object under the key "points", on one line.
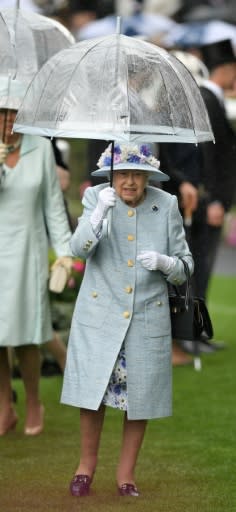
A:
{"points": [[3, 152], [106, 200], [152, 260]]}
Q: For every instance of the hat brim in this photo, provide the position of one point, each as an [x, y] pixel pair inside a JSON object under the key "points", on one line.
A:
{"points": [[155, 174]]}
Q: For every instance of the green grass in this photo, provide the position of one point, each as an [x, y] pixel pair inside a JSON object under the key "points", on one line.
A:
{"points": [[187, 463]]}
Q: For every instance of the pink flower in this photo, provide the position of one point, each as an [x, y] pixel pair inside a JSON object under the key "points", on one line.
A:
{"points": [[71, 282], [117, 158], [79, 266]]}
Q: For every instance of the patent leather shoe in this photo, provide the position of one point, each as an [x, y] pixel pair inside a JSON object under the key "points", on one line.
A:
{"points": [[80, 485], [128, 490]]}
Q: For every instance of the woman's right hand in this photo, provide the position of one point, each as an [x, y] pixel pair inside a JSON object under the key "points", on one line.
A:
{"points": [[106, 200]]}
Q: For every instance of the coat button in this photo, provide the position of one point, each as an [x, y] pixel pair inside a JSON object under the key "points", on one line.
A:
{"points": [[130, 238], [94, 295], [130, 263], [126, 314], [159, 303], [130, 213], [128, 289]]}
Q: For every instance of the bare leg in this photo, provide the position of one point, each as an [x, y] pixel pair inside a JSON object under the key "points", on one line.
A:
{"points": [[133, 434], [30, 364], [91, 423], [8, 416], [57, 348]]}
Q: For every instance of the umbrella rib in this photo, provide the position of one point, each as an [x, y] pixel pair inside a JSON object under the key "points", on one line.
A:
{"points": [[167, 97], [167, 59], [97, 43], [181, 82], [78, 63]]}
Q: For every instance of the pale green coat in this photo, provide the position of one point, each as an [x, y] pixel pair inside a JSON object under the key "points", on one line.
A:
{"points": [[30, 199], [120, 301]]}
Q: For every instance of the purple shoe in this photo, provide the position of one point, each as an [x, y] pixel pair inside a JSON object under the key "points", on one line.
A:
{"points": [[80, 485], [128, 490]]}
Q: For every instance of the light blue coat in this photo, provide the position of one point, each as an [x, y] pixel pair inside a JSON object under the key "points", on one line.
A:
{"points": [[120, 301]]}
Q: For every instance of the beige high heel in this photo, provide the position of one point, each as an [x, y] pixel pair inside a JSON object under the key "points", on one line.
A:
{"points": [[35, 431]]}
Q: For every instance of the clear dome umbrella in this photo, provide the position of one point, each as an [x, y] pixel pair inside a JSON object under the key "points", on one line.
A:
{"points": [[115, 88], [27, 41]]}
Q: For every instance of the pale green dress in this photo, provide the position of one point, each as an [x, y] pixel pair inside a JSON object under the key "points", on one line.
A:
{"points": [[30, 200]]}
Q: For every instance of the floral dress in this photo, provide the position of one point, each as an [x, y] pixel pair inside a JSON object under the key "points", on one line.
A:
{"points": [[116, 392]]}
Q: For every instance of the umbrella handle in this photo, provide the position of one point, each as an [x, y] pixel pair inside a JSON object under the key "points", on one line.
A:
{"points": [[112, 162]]}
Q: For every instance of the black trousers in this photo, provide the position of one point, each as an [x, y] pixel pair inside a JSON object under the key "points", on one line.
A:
{"points": [[204, 241]]}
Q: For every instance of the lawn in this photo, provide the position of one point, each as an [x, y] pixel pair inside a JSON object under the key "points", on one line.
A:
{"points": [[187, 464]]}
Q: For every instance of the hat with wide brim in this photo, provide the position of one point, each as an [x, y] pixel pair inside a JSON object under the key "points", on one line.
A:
{"points": [[11, 93], [154, 174]]}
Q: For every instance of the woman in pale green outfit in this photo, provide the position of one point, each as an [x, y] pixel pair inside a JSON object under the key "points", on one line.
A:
{"points": [[31, 210]]}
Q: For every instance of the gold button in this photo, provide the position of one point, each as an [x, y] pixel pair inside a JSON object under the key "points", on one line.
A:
{"points": [[159, 303], [94, 294], [130, 238], [130, 213], [130, 263], [128, 289], [126, 314]]}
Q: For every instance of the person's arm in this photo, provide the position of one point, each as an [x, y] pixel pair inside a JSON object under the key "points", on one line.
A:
{"points": [[92, 225], [182, 164], [54, 210], [170, 264]]}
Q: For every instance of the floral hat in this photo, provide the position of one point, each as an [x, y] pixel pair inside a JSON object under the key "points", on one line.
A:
{"points": [[130, 157]]}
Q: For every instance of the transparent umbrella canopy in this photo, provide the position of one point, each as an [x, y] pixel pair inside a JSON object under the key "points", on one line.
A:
{"points": [[27, 41], [115, 88]]}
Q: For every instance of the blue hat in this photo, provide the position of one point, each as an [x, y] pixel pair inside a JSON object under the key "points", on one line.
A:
{"points": [[130, 157]]}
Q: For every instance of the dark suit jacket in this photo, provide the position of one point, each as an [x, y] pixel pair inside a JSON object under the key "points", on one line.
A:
{"points": [[219, 159]]}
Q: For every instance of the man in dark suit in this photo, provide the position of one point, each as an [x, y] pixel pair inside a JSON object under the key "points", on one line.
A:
{"points": [[210, 168], [219, 159]]}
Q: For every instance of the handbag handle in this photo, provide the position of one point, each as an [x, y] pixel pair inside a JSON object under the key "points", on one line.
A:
{"points": [[187, 292]]}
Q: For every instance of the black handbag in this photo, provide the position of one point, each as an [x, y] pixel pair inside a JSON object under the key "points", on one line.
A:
{"points": [[190, 318]]}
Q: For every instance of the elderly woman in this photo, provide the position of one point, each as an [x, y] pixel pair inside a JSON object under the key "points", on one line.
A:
{"points": [[31, 209], [119, 351]]}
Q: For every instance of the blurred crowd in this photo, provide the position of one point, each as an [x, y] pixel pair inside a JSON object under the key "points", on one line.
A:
{"points": [[176, 23]]}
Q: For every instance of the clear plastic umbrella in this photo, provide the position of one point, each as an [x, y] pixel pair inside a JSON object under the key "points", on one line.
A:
{"points": [[115, 88], [27, 41]]}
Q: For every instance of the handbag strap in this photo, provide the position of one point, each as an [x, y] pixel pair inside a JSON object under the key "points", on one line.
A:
{"points": [[187, 291], [188, 277]]}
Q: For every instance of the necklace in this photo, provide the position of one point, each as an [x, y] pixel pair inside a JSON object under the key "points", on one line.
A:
{"points": [[13, 147]]}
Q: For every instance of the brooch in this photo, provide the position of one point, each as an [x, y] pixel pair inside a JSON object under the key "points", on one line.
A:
{"points": [[155, 208]]}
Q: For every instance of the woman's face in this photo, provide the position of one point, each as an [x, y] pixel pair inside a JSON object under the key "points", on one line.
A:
{"points": [[7, 118], [130, 186]]}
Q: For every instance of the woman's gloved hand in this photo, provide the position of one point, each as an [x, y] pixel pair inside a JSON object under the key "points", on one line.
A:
{"points": [[3, 152], [64, 261], [152, 260], [106, 200]]}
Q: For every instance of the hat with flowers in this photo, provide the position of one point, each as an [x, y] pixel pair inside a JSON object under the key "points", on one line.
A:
{"points": [[130, 157]]}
